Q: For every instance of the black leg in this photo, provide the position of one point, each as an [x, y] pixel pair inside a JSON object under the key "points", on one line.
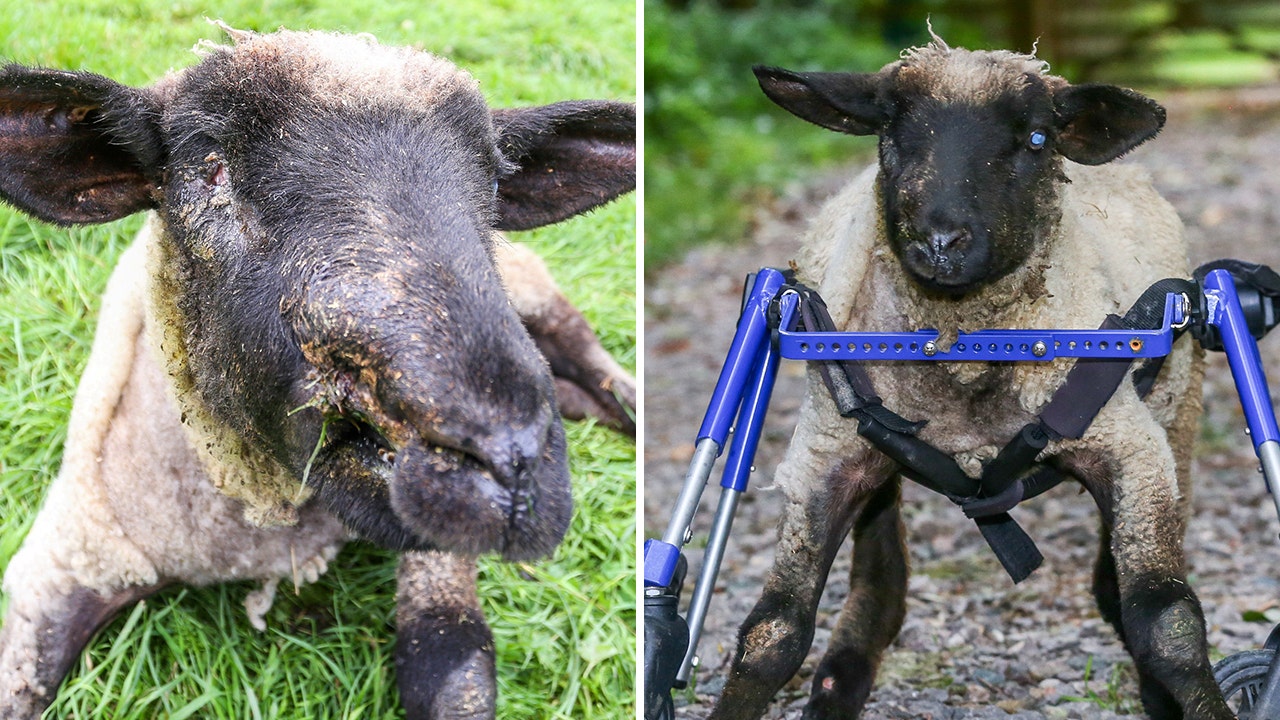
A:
{"points": [[774, 639], [1166, 624], [444, 650], [589, 383], [1106, 584], [873, 612], [1140, 581], [1106, 589]]}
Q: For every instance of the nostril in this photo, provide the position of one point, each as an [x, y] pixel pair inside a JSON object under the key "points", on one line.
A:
{"points": [[526, 450], [514, 454], [943, 242]]}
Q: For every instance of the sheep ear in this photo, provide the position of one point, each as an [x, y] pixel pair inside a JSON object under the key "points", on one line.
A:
{"points": [[74, 146], [844, 102], [570, 157], [1099, 123]]}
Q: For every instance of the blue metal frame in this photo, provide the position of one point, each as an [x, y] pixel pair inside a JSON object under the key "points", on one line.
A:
{"points": [[748, 342], [1223, 306], [741, 397], [746, 379], [988, 345]]}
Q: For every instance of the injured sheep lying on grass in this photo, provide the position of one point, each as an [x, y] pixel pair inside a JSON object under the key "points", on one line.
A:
{"points": [[318, 336], [984, 211]]}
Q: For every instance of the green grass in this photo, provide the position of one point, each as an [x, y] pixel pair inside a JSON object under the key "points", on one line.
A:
{"points": [[1113, 696], [564, 628]]}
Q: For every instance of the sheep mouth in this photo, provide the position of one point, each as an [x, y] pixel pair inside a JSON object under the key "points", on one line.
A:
{"points": [[457, 500], [948, 279], [950, 274], [427, 494]]}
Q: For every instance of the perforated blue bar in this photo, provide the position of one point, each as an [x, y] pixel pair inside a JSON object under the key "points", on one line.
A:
{"points": [[987, 345]]}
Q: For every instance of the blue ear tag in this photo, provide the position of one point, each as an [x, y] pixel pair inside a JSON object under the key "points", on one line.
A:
{"points": [[495, 188], [1037, 140]]}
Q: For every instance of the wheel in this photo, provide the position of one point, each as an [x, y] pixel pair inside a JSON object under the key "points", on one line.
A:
{"points": [[1241, 678]]}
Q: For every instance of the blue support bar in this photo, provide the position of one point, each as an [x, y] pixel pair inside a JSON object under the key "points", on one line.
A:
{"points": [[1242, 355], [753, 329], [746, 436], [987, 345]]}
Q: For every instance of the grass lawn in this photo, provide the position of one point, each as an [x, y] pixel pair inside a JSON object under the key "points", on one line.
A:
{"points": [[564, 628]]}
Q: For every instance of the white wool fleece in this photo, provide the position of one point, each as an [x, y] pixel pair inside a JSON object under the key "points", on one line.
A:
{"points": [[1115, 238], [132, 504]]}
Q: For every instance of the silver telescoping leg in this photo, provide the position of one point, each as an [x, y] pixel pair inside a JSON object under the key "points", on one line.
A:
{"points": [[1269, 455], [695, 481], [711, 557]]}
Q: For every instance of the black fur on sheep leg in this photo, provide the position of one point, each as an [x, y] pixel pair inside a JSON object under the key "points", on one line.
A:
{"points": [[444, 649]]}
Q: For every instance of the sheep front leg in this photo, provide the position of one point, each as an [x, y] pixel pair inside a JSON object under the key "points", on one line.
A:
{"points": [[873, 611], [1106, 591], [775, 637], [589, 383], [1161, 621], [73, 573], [444, 650], [1164, 631]]}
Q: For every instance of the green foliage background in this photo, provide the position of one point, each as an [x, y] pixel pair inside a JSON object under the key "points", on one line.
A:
{"points": [[564, 628], [715, 147]]}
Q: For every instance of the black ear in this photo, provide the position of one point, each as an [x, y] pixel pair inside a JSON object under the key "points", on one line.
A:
{"points": [[844, 102], [570, 157], [76, 147], [1099, 123]]}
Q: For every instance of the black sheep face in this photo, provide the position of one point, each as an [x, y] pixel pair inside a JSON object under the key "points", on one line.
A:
{"points": [[327, 276], [971, 150]]}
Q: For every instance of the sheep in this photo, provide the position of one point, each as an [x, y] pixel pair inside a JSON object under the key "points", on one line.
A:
{"points": [[319, 335], [990, 206]]}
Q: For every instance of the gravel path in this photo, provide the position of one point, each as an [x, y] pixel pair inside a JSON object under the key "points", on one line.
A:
{"points": [[974, 645]]}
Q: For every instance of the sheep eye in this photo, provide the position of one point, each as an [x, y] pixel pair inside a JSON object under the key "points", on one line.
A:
{"points": [[216, 173], [1037, 140]]}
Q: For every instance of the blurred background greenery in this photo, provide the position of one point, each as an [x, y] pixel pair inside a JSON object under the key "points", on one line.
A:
{"points": [[716, 149]]}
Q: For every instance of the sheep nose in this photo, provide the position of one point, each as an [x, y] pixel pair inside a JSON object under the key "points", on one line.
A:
{"points": [[513, 452], [943, 243], [522, 454]]}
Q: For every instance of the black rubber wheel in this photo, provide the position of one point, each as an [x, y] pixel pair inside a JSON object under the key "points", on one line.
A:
{"points": [[1241, 678]]}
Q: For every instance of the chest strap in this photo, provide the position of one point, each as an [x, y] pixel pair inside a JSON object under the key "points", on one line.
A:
{"points": [[1013, 475]]}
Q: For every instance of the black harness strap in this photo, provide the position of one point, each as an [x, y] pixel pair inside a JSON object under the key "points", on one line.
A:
{"points": [[846, 380], [1091, 382], [1013, 475], [854, 396]]}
